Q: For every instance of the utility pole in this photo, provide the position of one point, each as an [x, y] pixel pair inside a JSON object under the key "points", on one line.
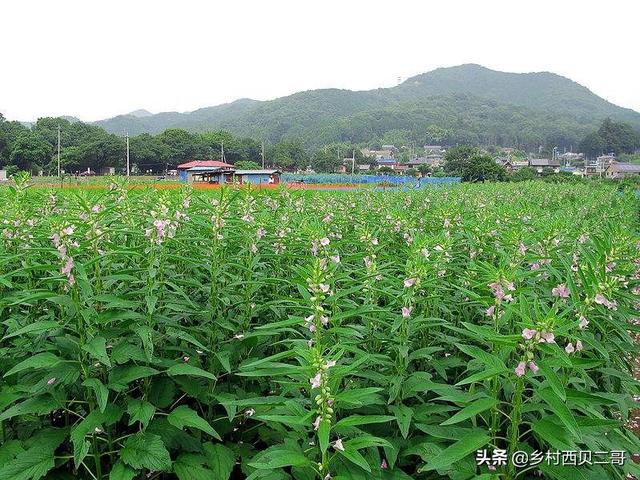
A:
{"points": [[128, 171], [353, 162], [262, 154], [222, 151], [59, 171]]}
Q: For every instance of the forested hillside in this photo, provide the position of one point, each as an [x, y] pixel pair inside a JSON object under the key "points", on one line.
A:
{"points": [[463, 104]]}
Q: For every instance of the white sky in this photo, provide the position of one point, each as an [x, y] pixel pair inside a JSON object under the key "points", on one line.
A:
{"points": [[96, 59]]}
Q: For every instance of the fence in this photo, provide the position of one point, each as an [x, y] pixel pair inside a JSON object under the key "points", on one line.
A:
{"points": [[336, 178]]}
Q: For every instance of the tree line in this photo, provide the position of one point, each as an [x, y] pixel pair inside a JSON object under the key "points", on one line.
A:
{"points": [[85, 146]]}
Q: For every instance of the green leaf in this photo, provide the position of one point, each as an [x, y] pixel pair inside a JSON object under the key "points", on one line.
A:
{"points": [[359, 397], [485, 357], [183, 416], [554, 381], [323, 435], [403, 416], [355, 420], [146, 335], [278, 456], [366, 441], [122, 376], [40, 360], [355, 457], [101, 392], [35, 405], [457, 451], [471, 410], [121, 472], [189, 466], [553, 434], [482, 375], [31, 464], [146, 450], [37, 327], [97, 348], [140, 411], [220, 459], [186, 369], [559, 408]]}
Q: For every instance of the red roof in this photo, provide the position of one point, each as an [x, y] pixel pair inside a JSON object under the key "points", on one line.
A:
{"points": [[204, 163]]}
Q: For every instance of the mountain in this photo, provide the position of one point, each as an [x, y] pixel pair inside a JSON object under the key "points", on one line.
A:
{"points": [[140, 113], [467, 103]]}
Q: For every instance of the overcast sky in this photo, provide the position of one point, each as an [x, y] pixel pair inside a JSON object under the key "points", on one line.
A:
{"points": [[96, 59]]}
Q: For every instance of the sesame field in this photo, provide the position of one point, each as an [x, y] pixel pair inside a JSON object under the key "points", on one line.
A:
{"points": [[454, 332]]}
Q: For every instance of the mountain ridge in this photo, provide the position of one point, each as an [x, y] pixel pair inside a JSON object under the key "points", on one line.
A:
{"points": [[306, 115]]}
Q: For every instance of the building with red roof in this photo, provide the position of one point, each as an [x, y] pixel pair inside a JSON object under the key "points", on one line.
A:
{"points": [[184, 168]]}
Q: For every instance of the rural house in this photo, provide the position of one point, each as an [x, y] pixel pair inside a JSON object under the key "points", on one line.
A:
{"points": [[622, 170]]}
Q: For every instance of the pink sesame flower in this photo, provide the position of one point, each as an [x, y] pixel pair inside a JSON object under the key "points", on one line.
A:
{"points": [[69, 230], [335, 258], [383, 464], [250, 412], [185, 359], [68, 266], [569, 348], [520, 370], [490, 311], [583, 322], [324, 287], [561, 291], [324, 241], [51, 381], [330, 363], [497, 290], [579, 346], [316, 381], [406, 312], [600, 299], [528, 333], [534, 368], [316, 423], [547, 337], [409, 282], [324, 320], [338, 445]]}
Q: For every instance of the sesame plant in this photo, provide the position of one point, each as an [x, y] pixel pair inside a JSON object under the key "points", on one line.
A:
{"points": [[240, 333]]}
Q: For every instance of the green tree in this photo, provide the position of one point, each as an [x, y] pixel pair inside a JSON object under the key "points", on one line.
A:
{"points": [[483, 167], [288, 155], [149, 153], [9, 133], [525, 173], [247, 165], [181, 145], [457, 159], [611, 137], [30, 151]]}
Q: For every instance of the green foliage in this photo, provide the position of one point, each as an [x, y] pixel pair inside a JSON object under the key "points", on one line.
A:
{"points": [[247, 165], [472, 165], [611, 137], [467, 104], [284, 334]]}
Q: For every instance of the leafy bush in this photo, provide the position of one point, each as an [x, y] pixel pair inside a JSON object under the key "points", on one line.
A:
{"points": [[273, 335]]}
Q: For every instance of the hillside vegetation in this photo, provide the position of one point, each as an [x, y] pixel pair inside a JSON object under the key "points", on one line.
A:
{"points": [[468, 103]]}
